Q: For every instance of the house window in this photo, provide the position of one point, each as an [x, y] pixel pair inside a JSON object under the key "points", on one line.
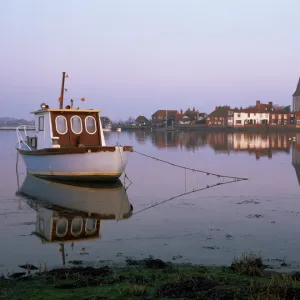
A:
{"points": [[41, 123], [61, 125], [279, 122], [248, 115], [238, 122], [239, 115], [76, 124], [90, 125]]}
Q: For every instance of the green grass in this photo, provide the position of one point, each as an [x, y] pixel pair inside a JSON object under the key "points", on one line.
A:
{"points": [[156, 280]]}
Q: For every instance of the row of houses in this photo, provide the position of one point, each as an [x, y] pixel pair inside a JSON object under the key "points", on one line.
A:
{"points": [[260, 114], [172, 117]]}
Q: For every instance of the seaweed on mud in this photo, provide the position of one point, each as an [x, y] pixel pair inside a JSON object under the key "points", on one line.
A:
{"points": [[83, 271], [17, 275], [150, 263], [75, 262], [189, 288], [96, 298]]}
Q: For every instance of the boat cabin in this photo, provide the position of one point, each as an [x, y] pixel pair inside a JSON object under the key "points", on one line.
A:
{"points": [[61, 128], [64, 226]]}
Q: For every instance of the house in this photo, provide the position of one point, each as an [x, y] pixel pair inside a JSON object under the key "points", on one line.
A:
{"points": [[219, 117], [281, 117], [191, 116], [141, 121], [194, 114], [253, 115], [160, 116], [185, 120]]}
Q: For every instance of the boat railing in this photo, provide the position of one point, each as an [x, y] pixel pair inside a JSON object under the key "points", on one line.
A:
{"points": [[22, 135]]}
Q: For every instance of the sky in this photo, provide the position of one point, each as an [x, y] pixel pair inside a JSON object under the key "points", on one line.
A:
{"points": [[131, 57]]}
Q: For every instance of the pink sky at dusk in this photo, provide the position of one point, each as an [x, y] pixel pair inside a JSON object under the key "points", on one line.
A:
{"points": [[131, 56]]}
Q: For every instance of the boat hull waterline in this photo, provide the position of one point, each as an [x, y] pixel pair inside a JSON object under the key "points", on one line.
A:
{"points": [[102, 164]]}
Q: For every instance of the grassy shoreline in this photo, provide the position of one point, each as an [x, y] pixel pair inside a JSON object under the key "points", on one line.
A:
{"points": [[246, 278]]}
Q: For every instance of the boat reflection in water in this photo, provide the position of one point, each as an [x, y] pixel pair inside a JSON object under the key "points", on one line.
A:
{"points": [[68, 213]]}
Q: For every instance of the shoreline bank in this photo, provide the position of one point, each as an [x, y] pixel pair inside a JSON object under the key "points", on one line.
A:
{"points": [[215, 129], [246, 278]]}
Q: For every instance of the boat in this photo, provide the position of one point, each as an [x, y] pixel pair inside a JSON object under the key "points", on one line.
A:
{"points": [[69, 144], [106, 124], [69, 211], [107, 128]]}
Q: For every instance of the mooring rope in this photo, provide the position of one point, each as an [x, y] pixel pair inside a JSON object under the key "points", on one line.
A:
{"points": [[187, 193], [186, 168]]}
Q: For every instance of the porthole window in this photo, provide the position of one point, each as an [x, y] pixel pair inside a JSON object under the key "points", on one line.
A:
{"points": [[90, 125], [76, 227], [90, 225], [61, 227], [61, 125], [76, 124]]}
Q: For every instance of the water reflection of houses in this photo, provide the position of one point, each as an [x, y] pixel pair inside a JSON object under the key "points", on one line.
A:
{"points": [[259, 144], [71, 213]]}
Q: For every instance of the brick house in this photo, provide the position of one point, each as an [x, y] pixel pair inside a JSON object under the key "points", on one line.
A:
{"points": [[281, 117], [160, 116], [191, 116], [219, 117], [141, 121]]}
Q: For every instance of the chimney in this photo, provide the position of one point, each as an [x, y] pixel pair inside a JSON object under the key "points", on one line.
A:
{"points": [[194, 109], [257, 102], [271, 103]]}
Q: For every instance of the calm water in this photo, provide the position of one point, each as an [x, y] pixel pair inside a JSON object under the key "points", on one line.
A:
{"points": [[210, 226]]}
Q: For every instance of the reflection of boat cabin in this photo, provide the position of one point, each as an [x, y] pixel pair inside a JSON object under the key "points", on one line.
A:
{"points": [[57, 128], [66, 226]]}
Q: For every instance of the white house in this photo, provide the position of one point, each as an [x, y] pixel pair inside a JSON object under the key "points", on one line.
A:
{"points": [[250, 116]]}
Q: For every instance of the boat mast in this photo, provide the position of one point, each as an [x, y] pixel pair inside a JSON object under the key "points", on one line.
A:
{"points": [[61, 102]]}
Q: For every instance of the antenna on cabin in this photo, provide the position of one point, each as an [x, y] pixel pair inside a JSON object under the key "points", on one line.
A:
{"points": [[71, 103], [61, 98]]}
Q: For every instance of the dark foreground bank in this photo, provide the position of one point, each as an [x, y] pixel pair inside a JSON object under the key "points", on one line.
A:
{"points": [[151, 278]]}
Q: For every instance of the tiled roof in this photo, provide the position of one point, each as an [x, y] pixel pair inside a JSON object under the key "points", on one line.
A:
{"points": [[178, 116], [164, 112], [220, 111], [141, 119]]}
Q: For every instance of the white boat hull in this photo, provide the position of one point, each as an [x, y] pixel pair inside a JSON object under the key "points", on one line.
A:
{"points": [[92, 166]]}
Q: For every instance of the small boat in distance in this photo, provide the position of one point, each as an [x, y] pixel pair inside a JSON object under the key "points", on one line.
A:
{"points": [[69, 144]]}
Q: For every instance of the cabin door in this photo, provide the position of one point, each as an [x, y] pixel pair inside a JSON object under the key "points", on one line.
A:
{"points": [[91, 130], [84, 129], [61, 128]]}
